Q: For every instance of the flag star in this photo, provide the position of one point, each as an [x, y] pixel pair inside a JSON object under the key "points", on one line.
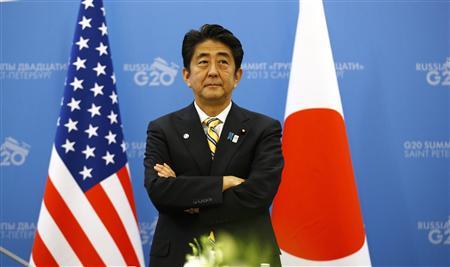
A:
{"points": [[82, 43], [113, 97], [86, 173], [77, 84], [80, 63], [97, 89], [113, 77], [103, 10], [94, 110], [68, 146], [89, 152], [112, 117], [74, 104], [87, 4], [111, 137], [91, 131], [102, 49], [62, 100], [71, 125], [100, 69], [109, 158], [57, 121], [103, 29], [85, 23], [124, 146]]}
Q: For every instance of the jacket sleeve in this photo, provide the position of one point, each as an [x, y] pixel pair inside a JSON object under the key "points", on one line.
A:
{"points": [[255, 195], [175, 194]]}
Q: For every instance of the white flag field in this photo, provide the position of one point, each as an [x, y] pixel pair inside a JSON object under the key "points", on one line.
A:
{"points": [[316, 213]]}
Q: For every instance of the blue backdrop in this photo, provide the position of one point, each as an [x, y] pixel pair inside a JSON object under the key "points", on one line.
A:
{"points": [[393, 66]]}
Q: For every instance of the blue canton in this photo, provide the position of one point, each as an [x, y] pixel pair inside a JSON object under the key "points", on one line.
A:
{"points": [[89, 136]]}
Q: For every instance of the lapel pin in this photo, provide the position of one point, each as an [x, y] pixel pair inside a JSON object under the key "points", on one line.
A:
{"points": [[243, 131], [230, 136], [186, 136]]}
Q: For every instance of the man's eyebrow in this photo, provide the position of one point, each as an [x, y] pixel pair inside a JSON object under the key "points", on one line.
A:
{"points": [[205, 54], [225, 54]]}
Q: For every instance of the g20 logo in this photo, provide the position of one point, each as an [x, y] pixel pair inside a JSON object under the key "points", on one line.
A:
{"points": [[161, 73], [439, 236], [13, 153], [434, 77]]}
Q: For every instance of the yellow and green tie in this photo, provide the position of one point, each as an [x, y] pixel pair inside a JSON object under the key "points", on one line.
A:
{"points": [[212, 135]]}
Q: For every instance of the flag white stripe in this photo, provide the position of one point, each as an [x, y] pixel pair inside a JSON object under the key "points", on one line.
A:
{"points": [[358, 258], [138, 239], [86, 216], [54, 240], [114, 190], [312, 82]]}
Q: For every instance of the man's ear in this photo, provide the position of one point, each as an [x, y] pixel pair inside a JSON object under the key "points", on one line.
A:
{"points": [[186, 76], [237, 76]]}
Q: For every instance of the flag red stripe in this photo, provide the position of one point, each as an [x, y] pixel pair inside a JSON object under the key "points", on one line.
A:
{"points": [[125, 181], [41, 254], [323, 220], [110, 218], [70, 227]]}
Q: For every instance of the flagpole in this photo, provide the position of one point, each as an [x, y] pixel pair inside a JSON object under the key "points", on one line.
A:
{"points": [[13, 256]]}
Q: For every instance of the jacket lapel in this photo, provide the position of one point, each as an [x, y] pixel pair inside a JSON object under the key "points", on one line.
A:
{"points": [[191, 132], [235, 128]]}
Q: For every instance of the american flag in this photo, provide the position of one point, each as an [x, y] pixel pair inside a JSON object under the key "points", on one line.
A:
{"points": [[88, 216]]}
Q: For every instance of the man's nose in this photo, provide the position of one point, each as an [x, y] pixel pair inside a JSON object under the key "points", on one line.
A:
{"points": [[212, 72]]}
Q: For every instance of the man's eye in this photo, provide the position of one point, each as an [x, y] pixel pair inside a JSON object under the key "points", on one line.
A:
{"points": [[223, 62], [202, 62]]}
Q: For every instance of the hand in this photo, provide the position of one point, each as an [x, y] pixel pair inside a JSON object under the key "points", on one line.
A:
{"points": [[231, 181], [192, 210], [164, 170]]}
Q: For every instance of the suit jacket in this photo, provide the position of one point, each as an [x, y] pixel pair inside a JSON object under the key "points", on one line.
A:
{"points": [[241, 212]]}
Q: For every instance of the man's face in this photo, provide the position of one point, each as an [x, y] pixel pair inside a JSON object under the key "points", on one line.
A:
{"points": [[212, 74]]}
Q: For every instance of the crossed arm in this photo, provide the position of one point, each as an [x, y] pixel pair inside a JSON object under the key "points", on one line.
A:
{"points": [[216, 198], [165, 171]]}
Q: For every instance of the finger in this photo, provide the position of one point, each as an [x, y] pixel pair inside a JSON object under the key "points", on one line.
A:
{"points": [[160, 174], [167, 167], [157, 167], [166, 172], [170, 171], [163, 169]]}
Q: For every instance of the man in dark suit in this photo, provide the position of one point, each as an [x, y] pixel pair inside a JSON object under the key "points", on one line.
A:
{"points": [[213, 168]]}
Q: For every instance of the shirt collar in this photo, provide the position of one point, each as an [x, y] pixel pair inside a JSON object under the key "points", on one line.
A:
{"points": [[222, 116]]}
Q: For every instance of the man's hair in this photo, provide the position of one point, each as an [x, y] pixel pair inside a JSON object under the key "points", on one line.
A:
{"points": [[213, 32]]}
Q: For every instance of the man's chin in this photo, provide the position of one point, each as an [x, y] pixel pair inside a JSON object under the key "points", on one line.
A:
{"points": [[213, 98], [213, 89], [213, 94]]}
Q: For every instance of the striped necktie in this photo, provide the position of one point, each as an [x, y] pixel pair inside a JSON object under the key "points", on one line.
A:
{"points": [[211, 134]]}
